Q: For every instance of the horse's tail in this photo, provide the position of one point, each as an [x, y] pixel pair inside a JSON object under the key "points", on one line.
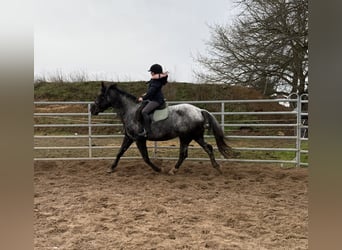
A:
{"points": [[215, 127]]}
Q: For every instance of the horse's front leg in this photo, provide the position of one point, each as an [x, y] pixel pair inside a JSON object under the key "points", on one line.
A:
{"points": [[126, 143], [141, 144]]}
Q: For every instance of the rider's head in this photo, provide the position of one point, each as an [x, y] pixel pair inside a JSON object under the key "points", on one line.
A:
{"points": [[156, 69]]}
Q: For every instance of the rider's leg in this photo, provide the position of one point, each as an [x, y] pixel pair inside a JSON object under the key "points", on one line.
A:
{"points": [[150, 106], [146, 122]]}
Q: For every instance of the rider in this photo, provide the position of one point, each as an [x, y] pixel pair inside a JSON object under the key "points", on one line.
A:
{"points": [[154, 96]]}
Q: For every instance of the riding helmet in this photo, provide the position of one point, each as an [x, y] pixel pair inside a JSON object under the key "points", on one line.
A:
{"points": [[156, 68]]}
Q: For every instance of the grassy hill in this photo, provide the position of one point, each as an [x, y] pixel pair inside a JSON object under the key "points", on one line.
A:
{"points": [[87, 91]]}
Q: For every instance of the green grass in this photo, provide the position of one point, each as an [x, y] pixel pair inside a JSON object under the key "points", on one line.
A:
{"points": [[173, 91]]}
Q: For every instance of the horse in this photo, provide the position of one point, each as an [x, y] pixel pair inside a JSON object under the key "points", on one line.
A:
{"points": [[185, 121]]}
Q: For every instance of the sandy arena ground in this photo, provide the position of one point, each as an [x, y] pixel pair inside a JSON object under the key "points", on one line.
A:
{"points": [[251, 206]]}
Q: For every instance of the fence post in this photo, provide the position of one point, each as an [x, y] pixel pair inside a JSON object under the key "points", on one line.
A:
{"points": [[222, 115], [89, 133], [299, 127], [302, 125], [222, 120], [155, 150]]}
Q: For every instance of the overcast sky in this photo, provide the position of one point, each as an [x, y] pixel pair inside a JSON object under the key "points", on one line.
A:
{"points": [[119, 40]]}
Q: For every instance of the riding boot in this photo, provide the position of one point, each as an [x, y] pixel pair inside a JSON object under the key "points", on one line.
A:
{"points": [[146, 122]]}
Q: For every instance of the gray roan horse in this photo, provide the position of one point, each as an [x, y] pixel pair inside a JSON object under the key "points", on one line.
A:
{"points": [[184, 121]]}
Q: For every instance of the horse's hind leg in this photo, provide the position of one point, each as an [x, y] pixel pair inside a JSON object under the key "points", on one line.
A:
{"points": [[183, 153], [209, 149], [126, 143], [141, 144]]}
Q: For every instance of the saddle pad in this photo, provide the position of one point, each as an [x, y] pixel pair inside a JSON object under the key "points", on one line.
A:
{"points": [[160, 114]]}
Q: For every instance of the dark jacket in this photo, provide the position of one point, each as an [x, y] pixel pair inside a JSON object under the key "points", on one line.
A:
{"points": [[154, 90]]}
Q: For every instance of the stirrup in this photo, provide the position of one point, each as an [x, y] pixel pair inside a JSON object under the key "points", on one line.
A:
{"points": [[143, 133]]}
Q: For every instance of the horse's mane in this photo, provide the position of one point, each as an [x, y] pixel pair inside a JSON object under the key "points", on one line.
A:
{"points": [[122, 92]]}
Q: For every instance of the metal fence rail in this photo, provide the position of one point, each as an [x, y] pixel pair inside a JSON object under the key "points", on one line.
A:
{"points": [[55, 131]]}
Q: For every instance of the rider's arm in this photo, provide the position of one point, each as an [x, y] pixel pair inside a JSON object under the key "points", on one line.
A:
{"points": [[161, 75]]}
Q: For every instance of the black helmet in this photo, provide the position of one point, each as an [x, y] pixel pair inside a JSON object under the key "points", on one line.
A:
{"points": [[156, 68]]}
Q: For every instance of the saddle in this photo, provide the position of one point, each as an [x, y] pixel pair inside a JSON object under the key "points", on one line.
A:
{"points": [[161, 113]]}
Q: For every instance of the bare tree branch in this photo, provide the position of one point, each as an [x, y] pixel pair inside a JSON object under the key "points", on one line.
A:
{"points": [[266, 47]]}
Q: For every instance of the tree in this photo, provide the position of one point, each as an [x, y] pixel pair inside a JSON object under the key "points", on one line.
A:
{"points": [[265, 48]]}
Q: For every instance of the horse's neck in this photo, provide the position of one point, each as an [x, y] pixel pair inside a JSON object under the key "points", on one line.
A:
{"points": [[128, 108], [125, 105]]}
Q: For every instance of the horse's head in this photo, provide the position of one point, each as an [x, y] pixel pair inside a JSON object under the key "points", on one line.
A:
{"points": [[101, 102]]}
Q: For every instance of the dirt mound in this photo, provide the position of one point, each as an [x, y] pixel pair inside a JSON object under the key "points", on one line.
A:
{"points": [[78, 206]]}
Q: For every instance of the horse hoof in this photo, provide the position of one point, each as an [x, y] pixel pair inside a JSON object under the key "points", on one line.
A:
{"points": [[109, 171], [219, 169], [172, 171]]}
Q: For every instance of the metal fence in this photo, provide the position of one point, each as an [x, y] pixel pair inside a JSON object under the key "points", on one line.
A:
{"points": [[68, 131]]}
